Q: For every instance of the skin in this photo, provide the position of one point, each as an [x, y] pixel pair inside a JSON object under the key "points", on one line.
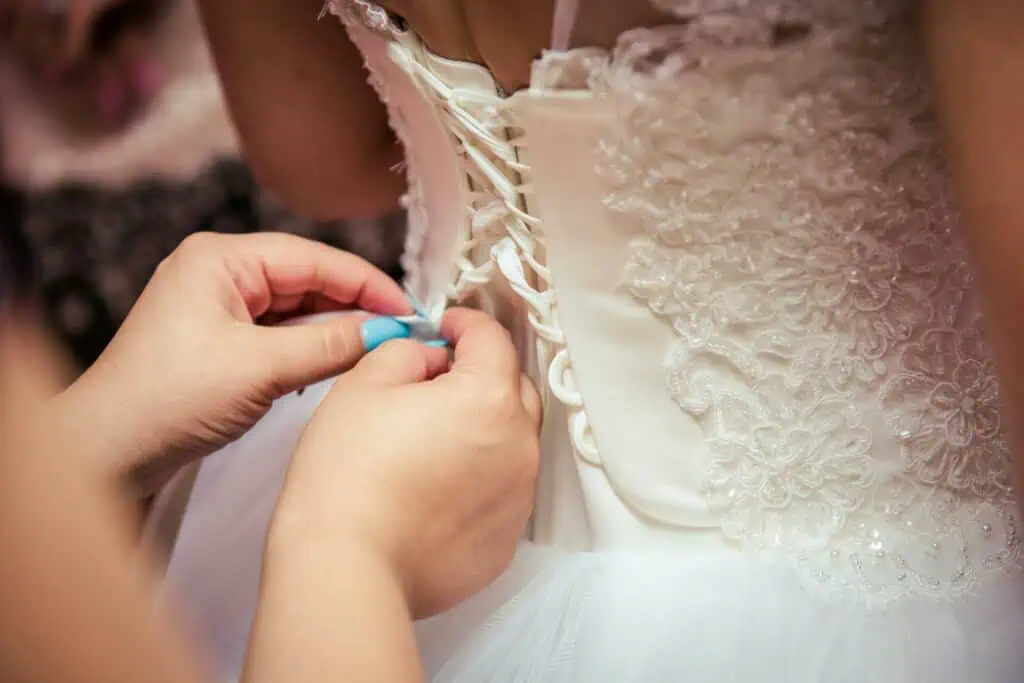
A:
{"points": [[76, 600], [314, 132], [977, 54]]}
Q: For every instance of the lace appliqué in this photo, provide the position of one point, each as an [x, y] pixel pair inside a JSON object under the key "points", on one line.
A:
{"points": [[800, 241]]}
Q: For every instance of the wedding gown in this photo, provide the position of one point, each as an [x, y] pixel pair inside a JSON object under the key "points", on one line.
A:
{"points": [[727, 250]]}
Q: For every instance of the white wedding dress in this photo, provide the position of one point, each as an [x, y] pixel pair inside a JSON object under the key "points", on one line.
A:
{"points": [[728, 252]]}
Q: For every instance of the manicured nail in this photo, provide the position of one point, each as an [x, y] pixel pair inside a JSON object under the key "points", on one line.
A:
{"points": [[376, 331], [437, 343]]}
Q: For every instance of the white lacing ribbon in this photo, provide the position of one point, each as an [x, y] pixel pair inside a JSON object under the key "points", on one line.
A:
{"points": [[499, 182]]}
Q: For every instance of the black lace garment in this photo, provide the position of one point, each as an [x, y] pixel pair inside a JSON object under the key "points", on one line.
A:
{"points": [[94, 250]]}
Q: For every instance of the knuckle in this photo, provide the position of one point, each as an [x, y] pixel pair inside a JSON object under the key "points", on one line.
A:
{"points": [[392, 354], [502, 337], [498, 400], [529, 462], [194, 248], [274, 241], [530, 395], [400, 347], [197, 244], [340, 345]]}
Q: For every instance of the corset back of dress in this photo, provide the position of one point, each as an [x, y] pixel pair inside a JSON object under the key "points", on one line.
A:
{"points": [[729, 247]]}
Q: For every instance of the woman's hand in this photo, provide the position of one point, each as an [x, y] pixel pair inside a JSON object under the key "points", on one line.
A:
{"points": [[408, 493], [192, 370], [436, 476]]}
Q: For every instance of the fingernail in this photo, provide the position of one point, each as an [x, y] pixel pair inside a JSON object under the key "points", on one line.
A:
{"points": [[376, 331], [437, 343]]}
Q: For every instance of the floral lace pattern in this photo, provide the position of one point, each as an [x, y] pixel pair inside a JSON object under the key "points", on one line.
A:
{"points": [[801, 243]]}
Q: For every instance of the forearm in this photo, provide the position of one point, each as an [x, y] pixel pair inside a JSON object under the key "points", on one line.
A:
{"points": [[313, 130], [77, 600], [977, 53], [94, 424], [77, 605], [331, 614]]}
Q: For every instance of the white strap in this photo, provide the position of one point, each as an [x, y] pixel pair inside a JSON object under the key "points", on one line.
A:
{"points": [[566, 12]]}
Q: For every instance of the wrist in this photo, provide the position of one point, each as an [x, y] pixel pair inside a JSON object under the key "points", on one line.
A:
{"points": [[96, 424], [331, 609], [296, 539]]}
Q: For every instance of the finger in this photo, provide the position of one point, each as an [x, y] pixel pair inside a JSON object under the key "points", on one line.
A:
{"points": [[398, 363], [269, 267], [303, 354], [480, 344], [531, 400], [289, 307]]}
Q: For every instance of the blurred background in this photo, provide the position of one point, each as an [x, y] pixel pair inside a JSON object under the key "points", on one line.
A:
{"points": [[115, 146]]}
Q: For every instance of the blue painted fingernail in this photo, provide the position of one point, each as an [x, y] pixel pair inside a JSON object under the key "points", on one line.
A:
{"points": [[437, 343], [376, 331]]}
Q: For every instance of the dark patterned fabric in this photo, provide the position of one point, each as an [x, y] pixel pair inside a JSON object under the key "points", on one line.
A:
{"points": [[95, 250], [16, 265]]}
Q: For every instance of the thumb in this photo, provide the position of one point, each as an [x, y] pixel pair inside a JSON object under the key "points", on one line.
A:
{"points": [[400, 362], [301, 354]]}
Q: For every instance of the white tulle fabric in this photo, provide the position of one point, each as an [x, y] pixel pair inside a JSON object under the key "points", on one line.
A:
{"points": [[802, 478]]}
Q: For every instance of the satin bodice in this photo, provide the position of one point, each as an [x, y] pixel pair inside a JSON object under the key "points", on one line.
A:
{"points": [[729, 257]]}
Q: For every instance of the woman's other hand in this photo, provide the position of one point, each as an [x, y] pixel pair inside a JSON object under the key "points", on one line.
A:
{"points": [[432, 471], [192, 368], [408, 493]]}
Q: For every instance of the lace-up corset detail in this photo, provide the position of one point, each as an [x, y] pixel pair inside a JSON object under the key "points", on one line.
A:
{"points": [[500, 235]]}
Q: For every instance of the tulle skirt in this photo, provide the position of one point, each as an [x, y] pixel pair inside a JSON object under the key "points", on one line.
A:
{"points": [[650, 617], [616, 617]]}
